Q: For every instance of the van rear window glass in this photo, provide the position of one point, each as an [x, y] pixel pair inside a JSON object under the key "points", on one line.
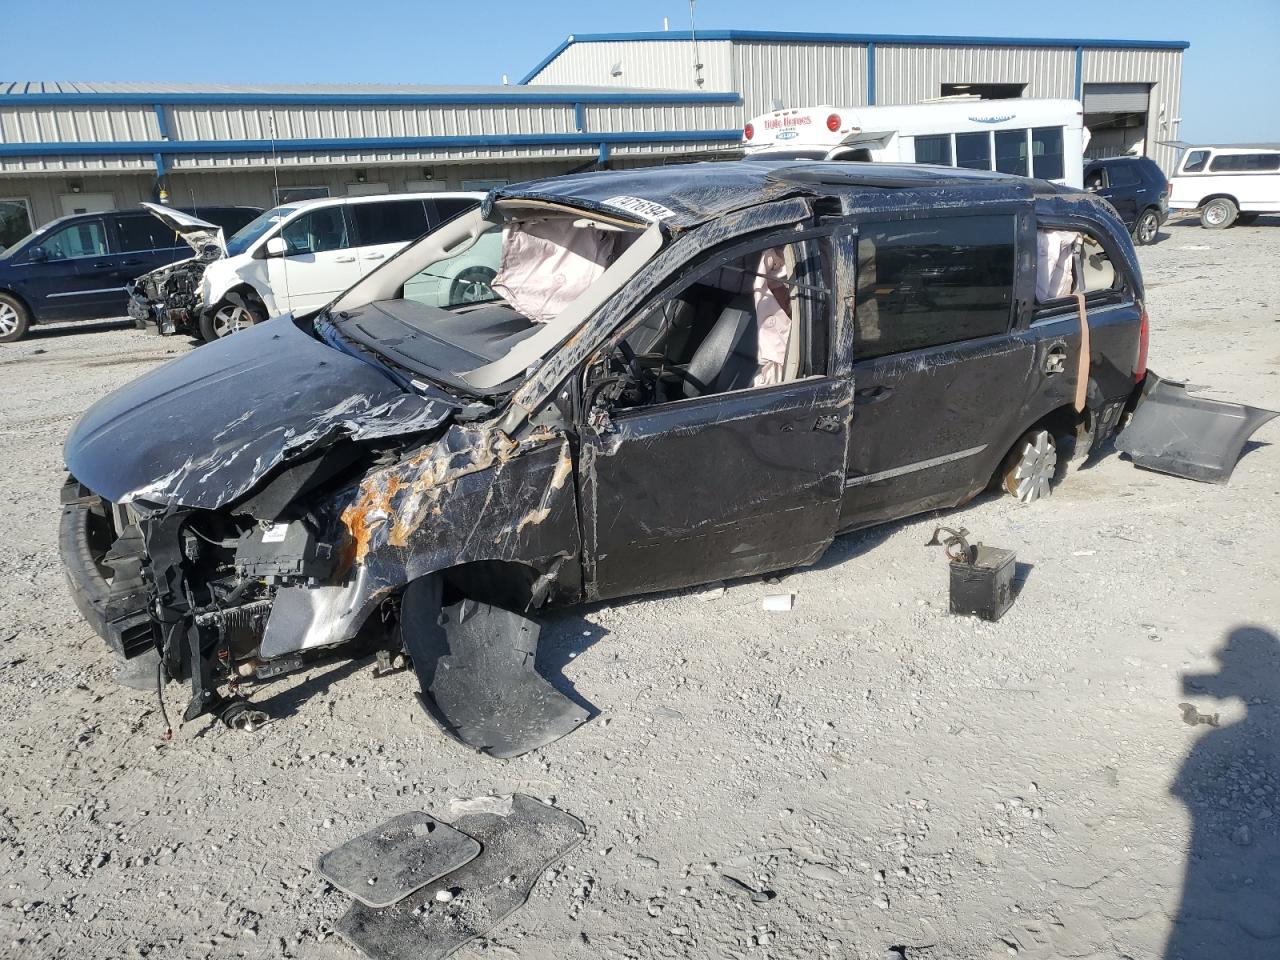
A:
{"points": [[922, 283], [1011, 152], [973, 150], [389, 221], [1046, 153], [934, 150], [1245, 162]]}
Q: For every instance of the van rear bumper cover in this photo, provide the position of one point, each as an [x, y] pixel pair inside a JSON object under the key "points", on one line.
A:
{"points": [[1172, 431]]}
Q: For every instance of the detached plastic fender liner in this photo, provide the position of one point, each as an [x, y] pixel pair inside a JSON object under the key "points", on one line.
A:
{"points": [[475, 663], [1173, 432]]}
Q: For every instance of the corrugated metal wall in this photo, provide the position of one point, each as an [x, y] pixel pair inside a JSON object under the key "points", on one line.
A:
{"points": [[660, 64], [1160, 68], [53, 124], [909, 74], [799, 75]]}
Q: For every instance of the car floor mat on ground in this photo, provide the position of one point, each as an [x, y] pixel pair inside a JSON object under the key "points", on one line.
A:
{"points": [[516, 849], [393, 860], [475, 662], [1173, 432]]}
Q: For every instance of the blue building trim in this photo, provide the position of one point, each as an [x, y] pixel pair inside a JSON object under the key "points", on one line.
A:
{"points": [[871, 74], [162, 121], [580, 117], [602, 158], [160, 169], [356, 99], [171, 147], [1080, 73], [542, 64], [884, 39]]}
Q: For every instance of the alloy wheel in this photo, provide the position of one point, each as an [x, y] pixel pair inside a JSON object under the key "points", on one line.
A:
{"points": [[1148, 225], [231, 319], [1030, 471], [8, 320]]}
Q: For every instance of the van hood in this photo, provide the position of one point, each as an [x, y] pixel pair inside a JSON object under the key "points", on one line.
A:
{"points": [[197, 233], [205, 429]]}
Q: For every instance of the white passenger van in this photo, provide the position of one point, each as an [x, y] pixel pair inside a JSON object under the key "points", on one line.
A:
{"points": [[1029, 138], [1227, 184], [299, 256]]}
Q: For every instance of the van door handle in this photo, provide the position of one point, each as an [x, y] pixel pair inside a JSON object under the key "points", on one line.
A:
{"points": [[872, 394], [374, 256], [344, 260], [830, 424]]}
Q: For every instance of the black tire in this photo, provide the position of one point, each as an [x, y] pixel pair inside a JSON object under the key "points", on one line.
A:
{"points": [[470, 285], [15, 321], [1147, 227], [228, 317], [1219, 213]]}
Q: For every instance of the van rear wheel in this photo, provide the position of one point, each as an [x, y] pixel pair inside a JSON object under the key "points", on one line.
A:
{"points": [[1219, 214], [1027, 472], [14, 319]]}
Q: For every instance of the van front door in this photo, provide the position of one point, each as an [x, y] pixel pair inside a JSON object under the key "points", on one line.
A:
{"points": [[319, 261], [733, 467]]}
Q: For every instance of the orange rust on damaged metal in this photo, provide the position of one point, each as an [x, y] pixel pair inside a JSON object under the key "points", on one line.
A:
{"points": [[372, 508]]}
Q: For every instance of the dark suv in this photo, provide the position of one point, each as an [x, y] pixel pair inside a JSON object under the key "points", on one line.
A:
{"points": [[76, 267], [1136, 187]]}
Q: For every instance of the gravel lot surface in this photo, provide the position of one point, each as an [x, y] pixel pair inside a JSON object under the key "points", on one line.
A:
{"points": [[894, 776]]}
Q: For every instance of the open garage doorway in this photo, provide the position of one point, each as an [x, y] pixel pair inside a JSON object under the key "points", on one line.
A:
{"points": [[1116, 116]]}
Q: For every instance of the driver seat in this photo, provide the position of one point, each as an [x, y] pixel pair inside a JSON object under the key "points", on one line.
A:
{"points": [[727, 358]]}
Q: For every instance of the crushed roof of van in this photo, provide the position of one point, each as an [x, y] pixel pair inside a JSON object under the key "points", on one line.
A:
{"points": [[685, 195]]}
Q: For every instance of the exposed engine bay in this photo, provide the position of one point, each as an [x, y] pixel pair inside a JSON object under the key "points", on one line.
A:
{"points": [[169, 298]]}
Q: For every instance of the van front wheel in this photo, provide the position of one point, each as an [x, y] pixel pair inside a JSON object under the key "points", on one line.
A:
{"points": [[14, 320], [1219, 214], [228, 318]]}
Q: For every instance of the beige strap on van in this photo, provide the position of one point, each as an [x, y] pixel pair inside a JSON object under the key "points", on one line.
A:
{"points": [[1082, 368]]}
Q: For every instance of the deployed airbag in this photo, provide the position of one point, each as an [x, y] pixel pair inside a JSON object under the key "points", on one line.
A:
{"points": [[1193, 437], [548, 264]]}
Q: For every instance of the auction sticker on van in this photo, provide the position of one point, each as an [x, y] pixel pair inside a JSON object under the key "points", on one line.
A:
{"points": [[646, 209]]}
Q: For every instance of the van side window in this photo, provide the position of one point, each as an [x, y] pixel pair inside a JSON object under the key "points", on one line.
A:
{"points": [[317, 232], [736, 325], [389, 221], [973, 150], [927, 282], [1046, 153], [1196, 160], [449, 207], [1245, 162], [934, 150], [1069, 262], [84, 239], [144, 233]]}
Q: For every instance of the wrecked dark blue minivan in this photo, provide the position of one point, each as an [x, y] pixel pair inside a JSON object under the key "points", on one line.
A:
{"points": [[668, 376]]}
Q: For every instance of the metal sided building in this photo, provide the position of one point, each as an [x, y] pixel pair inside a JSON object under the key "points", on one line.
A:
{"points": [[596, 100], [1130, 88], [70, 148]]}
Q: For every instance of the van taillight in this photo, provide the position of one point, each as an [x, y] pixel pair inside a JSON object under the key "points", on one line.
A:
{"points": [[833, 122], [1144, 338], [748, 131]]}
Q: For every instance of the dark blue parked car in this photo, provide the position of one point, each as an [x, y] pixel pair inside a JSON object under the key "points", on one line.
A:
{"points": [[1138, 190], [76, 268]]}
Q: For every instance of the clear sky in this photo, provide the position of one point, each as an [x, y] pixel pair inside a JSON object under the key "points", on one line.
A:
{"points": [[1228, 85]]}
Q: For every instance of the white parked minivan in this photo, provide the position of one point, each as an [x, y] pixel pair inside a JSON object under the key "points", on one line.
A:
{"points": [[299, 256], [1227, 184]]}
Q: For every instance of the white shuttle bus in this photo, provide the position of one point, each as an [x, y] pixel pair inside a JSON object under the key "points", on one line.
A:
{"points": [[1029, 138]]}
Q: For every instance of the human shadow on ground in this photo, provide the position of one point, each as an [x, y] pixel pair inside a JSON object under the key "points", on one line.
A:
{"points": [[1230, 785]]}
